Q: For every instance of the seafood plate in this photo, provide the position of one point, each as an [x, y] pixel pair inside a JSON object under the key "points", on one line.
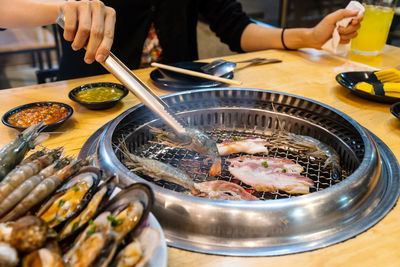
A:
{"points": [[55, 208]]}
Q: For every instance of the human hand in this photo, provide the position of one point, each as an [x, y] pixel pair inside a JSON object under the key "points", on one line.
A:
{"points": [[90, 24], [323, 31]]}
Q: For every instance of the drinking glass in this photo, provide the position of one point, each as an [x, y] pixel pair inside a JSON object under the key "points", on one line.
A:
{"points": [[375, 27]]}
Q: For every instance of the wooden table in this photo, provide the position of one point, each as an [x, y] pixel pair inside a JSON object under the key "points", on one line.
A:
{"points": [[25, 39], [39, 41], [307, 73]]}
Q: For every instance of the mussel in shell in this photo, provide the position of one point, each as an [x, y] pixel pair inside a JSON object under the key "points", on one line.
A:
{"points": [[102, 195], [71, 198], [136, 192], [28, 233], [89, 244], [43, 258], [138, 252], [123, 214], [48, 256], [122, 222], [8, 255]]}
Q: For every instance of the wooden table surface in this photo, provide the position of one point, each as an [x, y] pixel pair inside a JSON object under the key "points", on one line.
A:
{"points": [[308, 73]]}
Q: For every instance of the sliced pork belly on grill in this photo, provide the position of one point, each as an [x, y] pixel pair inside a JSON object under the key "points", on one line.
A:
{"points": [[270, 174], [250, 145], [223, 190]]}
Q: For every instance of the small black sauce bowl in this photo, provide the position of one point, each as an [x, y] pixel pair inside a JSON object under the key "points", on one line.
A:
{"points": [[47, 128], [395, 109], [98, 105]]}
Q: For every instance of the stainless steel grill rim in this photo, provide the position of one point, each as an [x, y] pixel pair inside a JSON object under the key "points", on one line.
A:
{"points": [[280, 238]]}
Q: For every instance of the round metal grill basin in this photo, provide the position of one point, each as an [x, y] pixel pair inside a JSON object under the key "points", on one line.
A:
{"points": [[282, 224]]}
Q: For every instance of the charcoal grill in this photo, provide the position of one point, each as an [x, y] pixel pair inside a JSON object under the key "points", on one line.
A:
{"points": [[335, 210]]}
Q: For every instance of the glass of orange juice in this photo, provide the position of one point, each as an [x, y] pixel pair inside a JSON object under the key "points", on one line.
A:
{"points": [[375, 27]]}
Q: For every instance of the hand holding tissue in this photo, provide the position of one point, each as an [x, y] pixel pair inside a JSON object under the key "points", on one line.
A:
{"points": [[333, 45]]}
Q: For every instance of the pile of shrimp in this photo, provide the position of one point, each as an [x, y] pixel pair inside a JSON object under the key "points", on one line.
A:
{"points": [[26, 183]]}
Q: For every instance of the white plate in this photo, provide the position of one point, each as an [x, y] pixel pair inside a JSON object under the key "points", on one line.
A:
{"points": [[160, 257]]}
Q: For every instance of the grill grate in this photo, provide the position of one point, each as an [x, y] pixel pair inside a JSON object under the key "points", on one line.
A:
{"points": [[194, 165], [243, 113]]}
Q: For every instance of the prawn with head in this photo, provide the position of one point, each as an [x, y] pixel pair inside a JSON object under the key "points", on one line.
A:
{"points": [[194, 140], [308, 145]]}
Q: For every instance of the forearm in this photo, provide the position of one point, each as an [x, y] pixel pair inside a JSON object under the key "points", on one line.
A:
{"points": [[256, 37], [27, 13]]}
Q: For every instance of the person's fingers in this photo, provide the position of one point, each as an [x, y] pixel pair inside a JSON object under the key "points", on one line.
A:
{"points": [[344, 39], [90, 23], [70, 13], [357, 19], [340, 14], [96, 31], [349, 29], [105, 46], [85, 22]]}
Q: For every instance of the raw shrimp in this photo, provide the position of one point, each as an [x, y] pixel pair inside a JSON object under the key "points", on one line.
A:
{"points": [[24, 171], [12, 154], [310, 146], [193, 140], [157, 170], [30, 158], [45, 188], [26, 187], [35, 155]]}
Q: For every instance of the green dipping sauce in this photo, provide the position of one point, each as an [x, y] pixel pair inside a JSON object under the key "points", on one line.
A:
{"points": [[99, 94]]}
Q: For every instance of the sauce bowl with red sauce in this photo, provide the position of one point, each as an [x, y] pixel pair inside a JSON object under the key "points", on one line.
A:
{"points": [[52, 113]]}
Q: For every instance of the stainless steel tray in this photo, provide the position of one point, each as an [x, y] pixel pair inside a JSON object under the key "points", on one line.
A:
{"points": [[289, 224]]}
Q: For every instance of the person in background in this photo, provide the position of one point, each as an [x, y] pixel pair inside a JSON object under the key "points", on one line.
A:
{"points": [[88, 23], [165, 31]]}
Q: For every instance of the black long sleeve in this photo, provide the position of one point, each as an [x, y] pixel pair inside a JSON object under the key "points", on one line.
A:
{"points": [[227, 20], [175, 22]]}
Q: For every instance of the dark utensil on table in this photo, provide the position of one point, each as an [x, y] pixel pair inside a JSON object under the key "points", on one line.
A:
{"points": [[195, 73], [139, 89], [221, 67], [175, 81]]}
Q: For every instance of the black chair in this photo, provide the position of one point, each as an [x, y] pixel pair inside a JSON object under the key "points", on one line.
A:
{"points": [[47, 75], [50, 73]]}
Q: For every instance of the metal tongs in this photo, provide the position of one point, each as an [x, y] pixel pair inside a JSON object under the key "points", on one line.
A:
{"points": [[138, 88]]}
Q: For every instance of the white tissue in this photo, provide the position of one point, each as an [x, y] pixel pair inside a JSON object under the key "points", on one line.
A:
{"points": [[332, 45]]}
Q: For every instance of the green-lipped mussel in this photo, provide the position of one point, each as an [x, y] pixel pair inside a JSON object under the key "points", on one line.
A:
{"points": [[71, 198]]}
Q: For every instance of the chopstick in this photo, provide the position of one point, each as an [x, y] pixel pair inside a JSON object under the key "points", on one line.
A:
{"points": [[195, 73]]}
